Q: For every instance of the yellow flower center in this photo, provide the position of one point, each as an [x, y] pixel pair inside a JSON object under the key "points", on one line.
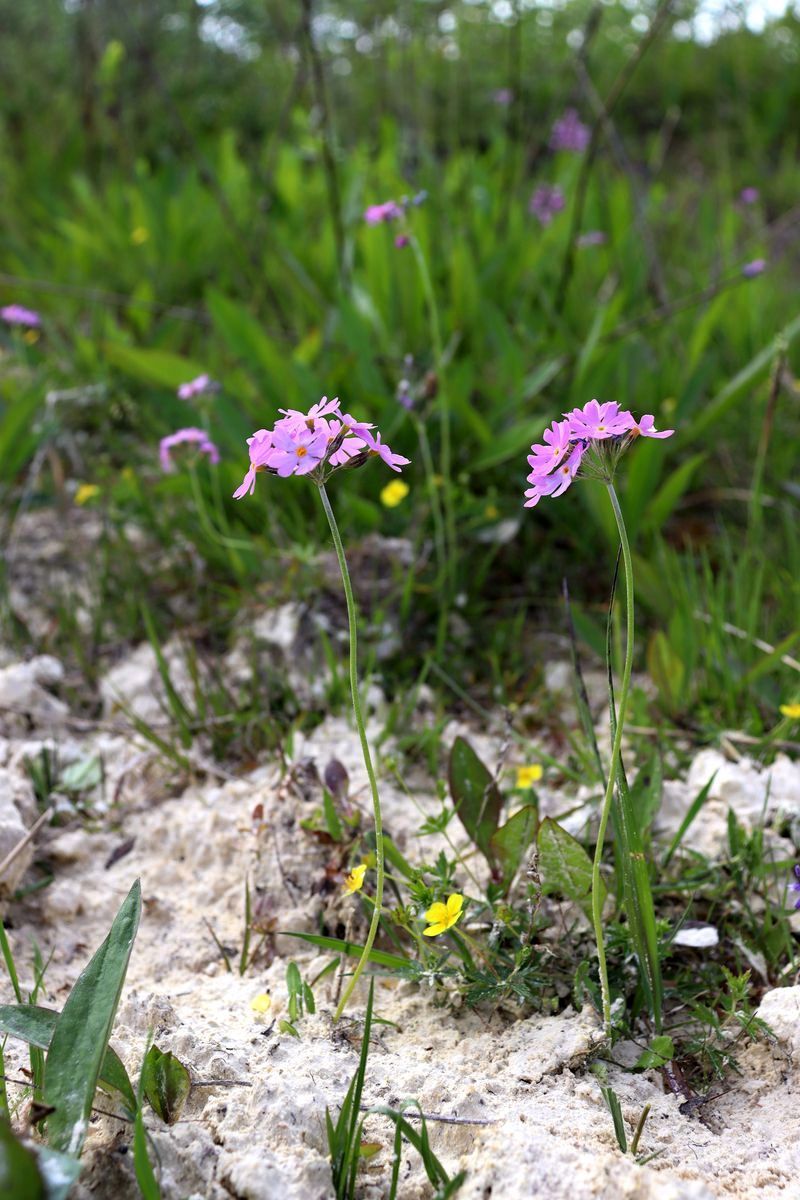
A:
{"points": [[301, 451]]}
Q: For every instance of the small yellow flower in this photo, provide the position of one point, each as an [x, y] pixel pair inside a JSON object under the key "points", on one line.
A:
{"points": [[528, 776], [128, 474], [441, 917], [394, 493], [261, 1003], [792, 711], [139, 235], [355, 880], [491, 511], [86, 492], [31, 336]]}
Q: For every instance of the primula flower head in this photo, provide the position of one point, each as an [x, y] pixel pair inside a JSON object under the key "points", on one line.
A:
{"points": [[570, 133], [197, 387], [355, 880], [441, 917], [749, 195], [197, 437], [314, 443], [545, 202], [593, 437], [15, 314], [379, 214], [757, 267]]}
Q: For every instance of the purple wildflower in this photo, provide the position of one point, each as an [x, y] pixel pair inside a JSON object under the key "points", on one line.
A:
{"points": [[749, 195], [593, 437], [197, 437], [596, 422], [595, 237], [196, 387], [377, 214], [570, 133], [756, 267], [546, 201], [796, 885], [313, 443], [15, 314], [502, 96], [401, 241]]}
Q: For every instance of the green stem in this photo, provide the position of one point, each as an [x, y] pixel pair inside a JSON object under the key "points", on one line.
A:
{"points": [[362, 734], [444, 404], [597, 912]]}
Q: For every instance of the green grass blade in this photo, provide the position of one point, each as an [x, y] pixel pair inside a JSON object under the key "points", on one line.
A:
{"points": [[353, 950], [19, 1172], [691, 813], [79, 1041]]}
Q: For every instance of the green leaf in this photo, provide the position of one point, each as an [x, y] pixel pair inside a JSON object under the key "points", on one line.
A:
{"points": [[35, 1025], [510, 841], [166, 1084], [666, 670], [332, 822], [58, 1171], [145, 1177], [19, 1172], [666, 498], [658, 1054], [152, 366], [475, 794], [564, 865], [79, 1042], [353, 950]]}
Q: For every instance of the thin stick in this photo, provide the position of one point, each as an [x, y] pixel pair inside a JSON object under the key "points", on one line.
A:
{"points": [[23, 842]]}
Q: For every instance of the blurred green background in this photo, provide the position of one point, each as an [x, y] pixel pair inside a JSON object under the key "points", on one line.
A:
{"points": [[182, 190]]}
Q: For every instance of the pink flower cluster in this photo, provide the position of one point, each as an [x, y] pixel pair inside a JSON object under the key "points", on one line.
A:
{"points": [[570, 133], [197, 387], [324, 437], [15, 314], [377, 214], [555, 462], [197, 437]]}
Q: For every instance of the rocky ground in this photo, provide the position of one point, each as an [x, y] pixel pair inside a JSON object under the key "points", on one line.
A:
{"points": [[529, 1118]]}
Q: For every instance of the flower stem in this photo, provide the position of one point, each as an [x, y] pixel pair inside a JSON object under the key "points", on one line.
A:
{"points": [[362, 734], [444, 405], [597, 912]]}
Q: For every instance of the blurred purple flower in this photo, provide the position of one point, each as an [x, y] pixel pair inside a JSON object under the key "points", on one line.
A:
{"points": [[503, 96], [595, 237], [401, 240], [196, 387], [796, 885], [570, 133], [546, 201], [377, 214], [756, 267], [749, 195], [197, 437], [15, 314]]}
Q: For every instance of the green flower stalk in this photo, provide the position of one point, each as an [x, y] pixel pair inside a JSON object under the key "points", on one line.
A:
{"points": [[317, 444]]}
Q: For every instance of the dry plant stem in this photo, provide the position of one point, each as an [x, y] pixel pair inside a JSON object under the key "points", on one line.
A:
{"points": [[597, 910], [362, 734]]}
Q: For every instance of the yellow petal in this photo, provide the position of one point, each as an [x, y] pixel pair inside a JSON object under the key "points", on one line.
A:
{"points": [[261, 1003], [526, 776], [86, 491], [455, 903], [436, 913], [434, 930], [355, 880], [792, 711], [394, 493]]}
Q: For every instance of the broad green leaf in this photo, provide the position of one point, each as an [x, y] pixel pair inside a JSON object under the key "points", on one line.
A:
{"points": [[35, 1025], [476, 797], [510, 841], [564, 865], [157, 367], [80, 1038], [166, 1084], [19, 1173]]}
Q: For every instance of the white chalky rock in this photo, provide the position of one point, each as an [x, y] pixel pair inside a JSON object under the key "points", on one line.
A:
{"points": [[781, 1011], [23, 689]]}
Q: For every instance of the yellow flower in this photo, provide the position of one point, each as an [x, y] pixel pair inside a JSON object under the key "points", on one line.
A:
{"points": [[86, 492], [355, 880], [139, 235], [528, 776], [394, 493], [792, 711], [491, 512], [31, 336], [441, 917], [261, 1003]]}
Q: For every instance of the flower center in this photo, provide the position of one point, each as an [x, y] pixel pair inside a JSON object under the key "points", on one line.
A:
{"points": [[301, 451]]}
